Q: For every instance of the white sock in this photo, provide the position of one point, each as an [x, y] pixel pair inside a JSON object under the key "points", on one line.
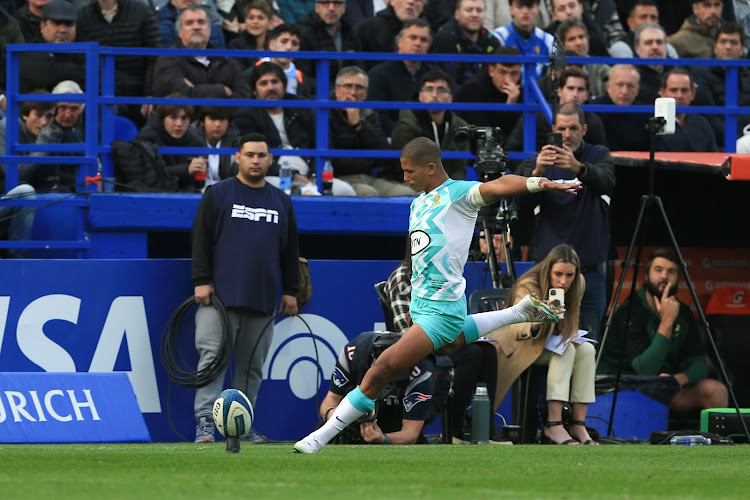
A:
{"points": [[344, 415], [490, 321]]}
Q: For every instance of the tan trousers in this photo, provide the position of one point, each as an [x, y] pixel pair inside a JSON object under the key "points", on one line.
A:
{"points": [[570, 377]]}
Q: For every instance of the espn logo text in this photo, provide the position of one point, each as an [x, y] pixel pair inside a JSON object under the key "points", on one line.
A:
{"points": [[255, 214]]}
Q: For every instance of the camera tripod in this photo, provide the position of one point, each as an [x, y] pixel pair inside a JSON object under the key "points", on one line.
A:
{"points": [[490, 221], [653, 127]]}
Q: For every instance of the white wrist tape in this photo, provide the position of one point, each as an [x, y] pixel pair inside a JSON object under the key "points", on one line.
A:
{"points": [[478, 196], [532, 184]]}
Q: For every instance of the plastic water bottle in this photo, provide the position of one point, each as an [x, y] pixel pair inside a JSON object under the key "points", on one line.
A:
{"points": [[285, 177], [480, 416], [690, 441], [327, 177]]}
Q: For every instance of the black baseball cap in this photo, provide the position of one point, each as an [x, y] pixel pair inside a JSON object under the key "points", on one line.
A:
{"points": [[59, 10]]}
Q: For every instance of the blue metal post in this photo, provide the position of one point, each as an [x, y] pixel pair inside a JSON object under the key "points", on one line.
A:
{"points": [[11, 117], [529, 117], [91, 115], [323, 69], [731, 82], [108, 113]]}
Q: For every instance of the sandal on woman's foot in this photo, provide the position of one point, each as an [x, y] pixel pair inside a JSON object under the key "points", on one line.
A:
{"points": [[588, 441], [548, 440]]}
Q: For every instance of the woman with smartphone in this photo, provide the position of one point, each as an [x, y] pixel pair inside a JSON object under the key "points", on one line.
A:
{"points": [[569, 357]]}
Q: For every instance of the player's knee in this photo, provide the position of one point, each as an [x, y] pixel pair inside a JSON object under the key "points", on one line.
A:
{"points": [[714, 393]]}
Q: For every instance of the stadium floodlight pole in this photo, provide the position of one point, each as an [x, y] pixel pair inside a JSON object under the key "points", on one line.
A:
{"points": [[656, 126]]}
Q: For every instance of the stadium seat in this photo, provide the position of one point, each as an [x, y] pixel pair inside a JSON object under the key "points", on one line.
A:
{"points": [[124, 129]]}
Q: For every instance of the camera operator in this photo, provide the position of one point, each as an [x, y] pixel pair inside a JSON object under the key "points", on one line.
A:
{"points": [[581, 221], [402, 407]]}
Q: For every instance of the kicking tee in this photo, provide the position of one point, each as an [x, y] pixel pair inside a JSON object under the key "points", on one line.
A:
{"points": [[441, 225]]}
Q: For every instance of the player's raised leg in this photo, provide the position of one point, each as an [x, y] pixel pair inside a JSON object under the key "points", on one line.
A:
{"points": [[527, 310], [404, 354]]}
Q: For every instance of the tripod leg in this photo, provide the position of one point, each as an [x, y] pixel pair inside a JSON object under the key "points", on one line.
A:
{"points": [[701, 314], [637, 237]]}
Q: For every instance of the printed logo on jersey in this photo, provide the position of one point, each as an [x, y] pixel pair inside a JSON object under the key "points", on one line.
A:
{"points": [[338, 377], [255, 214], [436, 200], [414, 399], [419, 241]]}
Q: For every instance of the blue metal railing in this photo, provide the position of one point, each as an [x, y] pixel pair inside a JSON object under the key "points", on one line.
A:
{"points": [[100, 104]]}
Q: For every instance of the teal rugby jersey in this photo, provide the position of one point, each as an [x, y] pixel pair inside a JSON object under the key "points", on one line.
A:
{"points": [[441, 225]]}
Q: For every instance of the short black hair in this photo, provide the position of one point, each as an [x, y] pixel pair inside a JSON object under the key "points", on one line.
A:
{"points": [[507, 51], [525, 3], [676, 71], [251, 137], [216, 113], [730, 28], [570, 109], [664, 253], [290, 28], [422, 151], [437, 74], [574, 72], [642, 3], [565, 26], [265, 68]]}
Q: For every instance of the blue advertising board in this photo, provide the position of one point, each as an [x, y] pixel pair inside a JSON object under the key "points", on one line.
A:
{"points": [[109, 315], [69, 408]]}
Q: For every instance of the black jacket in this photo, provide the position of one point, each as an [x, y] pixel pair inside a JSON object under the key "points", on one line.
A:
{"points": [[378, 33], [298, 122], [177, 165], [170, 73], [451, 40], [44, 70], [134, 25], [315, 37], [245, 41], [341, 135], [583, 220], [480, 88], [625, 131], [29, 23], [711, 83], [10, 32], [392, 81]]}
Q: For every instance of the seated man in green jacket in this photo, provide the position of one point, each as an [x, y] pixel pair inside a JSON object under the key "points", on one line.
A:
{"points": [[439, 125], [663, 338]]}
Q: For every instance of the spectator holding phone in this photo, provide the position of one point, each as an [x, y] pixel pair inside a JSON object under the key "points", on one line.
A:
{"points": [[581, 221], [570, 358]]}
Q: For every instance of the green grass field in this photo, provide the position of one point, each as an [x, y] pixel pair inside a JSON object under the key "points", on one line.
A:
{"points": [[367, 472]]}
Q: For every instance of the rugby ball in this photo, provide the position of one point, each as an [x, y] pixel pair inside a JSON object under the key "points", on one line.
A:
{"points": [[233, 413]]}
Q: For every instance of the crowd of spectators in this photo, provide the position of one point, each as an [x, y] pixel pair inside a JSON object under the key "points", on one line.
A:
{"points": [[701, 28], [580, 28]]}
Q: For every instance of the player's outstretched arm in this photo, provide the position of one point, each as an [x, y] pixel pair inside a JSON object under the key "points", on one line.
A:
{"points": [[510, 185]]}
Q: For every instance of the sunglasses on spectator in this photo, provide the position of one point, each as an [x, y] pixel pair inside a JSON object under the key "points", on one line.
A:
{"points": [[328, 3]]}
